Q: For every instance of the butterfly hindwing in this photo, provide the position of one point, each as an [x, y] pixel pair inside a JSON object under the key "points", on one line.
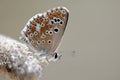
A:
{"points": [[60, 21]]}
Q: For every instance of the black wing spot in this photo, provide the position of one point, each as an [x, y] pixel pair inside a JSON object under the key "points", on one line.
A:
{"points": [[56, 30], [52, 22], [61, 22], [58, 20], [55, 20], [49, 41], [50, 32], [47, 32]]}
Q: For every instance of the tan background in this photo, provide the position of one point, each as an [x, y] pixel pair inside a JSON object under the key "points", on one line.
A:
{"points": [[91, 44]]}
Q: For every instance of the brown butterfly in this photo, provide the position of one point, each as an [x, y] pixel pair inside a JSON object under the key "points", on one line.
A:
{"points": [[43, 32]]}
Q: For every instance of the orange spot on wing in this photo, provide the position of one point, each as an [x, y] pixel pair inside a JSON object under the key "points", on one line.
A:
{"points": [[43, 29], [58, 12], [46, 22], [54, 14], [50, 26], [32, 28], [39, 20], [27, 33], [37, 36], [63, 15], [51, 16], [33, 23]]}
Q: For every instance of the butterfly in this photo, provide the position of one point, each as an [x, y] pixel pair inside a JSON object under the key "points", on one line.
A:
{"points": [[44, 31]]}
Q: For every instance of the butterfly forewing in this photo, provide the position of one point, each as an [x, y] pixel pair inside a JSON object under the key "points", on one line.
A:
{"points": [[44, 31]]}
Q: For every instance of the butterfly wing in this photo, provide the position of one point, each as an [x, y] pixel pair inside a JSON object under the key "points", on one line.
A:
{"points": [[43, 32], [60, 18]]}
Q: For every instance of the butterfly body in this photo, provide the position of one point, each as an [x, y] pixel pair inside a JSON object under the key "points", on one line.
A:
{"points": [[43, 32]]}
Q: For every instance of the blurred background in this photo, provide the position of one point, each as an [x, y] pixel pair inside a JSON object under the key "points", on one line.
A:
{"points": [[90, 47]]}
